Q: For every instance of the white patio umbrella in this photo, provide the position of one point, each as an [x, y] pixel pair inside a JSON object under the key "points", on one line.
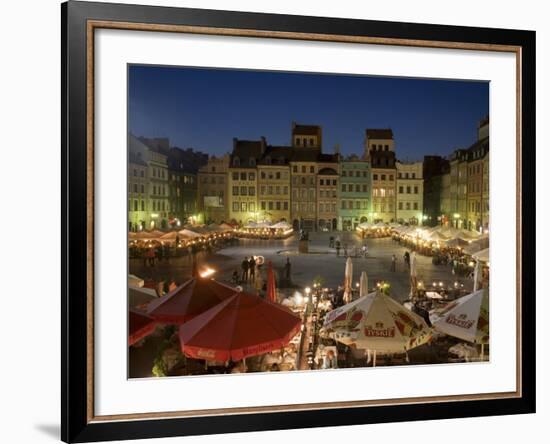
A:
{"points": [[348, 280], [477, 276], [169, 236], [477, 245], [482, 255], [456, 242], [135, 281], [363, 284], [466, 318], [188, 234], [377, 323], [436, 236]]}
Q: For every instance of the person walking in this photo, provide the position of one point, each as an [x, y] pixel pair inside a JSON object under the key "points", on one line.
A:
{"points": [[393, 262], [337, 248], [252, 269], [345, 250], [287, 269], [244, 267], [407, 259]]}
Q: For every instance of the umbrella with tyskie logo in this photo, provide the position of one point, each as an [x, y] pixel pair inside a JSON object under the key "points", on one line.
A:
{"points": [[378, 323]]}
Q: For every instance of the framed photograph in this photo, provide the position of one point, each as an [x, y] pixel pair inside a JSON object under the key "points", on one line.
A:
{"points": [[276, 221]]}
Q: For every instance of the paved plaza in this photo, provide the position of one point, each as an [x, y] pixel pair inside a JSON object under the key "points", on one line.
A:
{"points": [[321, 261]]}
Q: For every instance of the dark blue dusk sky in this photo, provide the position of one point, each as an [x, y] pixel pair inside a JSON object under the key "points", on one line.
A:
{"points": [[205, 108]]}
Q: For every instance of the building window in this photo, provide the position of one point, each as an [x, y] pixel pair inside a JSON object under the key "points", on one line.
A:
{"points": [[278, 205], [415, 190], [400, 205], [235, 176], [236, 207], [375, 177], [408, 205], [251, 176], [343, 205], [243, 176], [285, 205], [262, 174], [270, 205], [235, 191], [357, 188], [262, 190], [243, 207], [262, 205], [294, 168], [322, 181], [391, 176], [243, 191], [142, 205], [303, 169], [415, 205], [344, 173], [408, 190], [251, 191], [383, 177], [285, 190]]}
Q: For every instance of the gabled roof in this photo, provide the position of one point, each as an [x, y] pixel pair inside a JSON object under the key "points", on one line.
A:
{"points": [[246, 151], [307, 130], [379, 133], [276, 155], [136, 159]]}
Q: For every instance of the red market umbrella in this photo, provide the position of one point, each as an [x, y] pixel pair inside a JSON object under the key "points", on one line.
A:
{"points": [[139, 326], [241, 326], [188, 300], [271, 291]]}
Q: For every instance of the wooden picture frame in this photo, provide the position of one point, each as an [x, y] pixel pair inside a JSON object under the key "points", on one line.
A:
{"points": [[79, 22]]}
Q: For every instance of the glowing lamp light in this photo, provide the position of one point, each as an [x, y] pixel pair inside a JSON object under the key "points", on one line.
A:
{"points": [[206, 272], [308, 290]]}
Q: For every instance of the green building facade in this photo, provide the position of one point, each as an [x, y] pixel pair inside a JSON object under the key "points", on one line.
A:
{"points": [[354, 193]]}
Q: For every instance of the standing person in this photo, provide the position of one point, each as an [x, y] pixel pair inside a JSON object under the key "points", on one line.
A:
{"points": [[337, 248], [244, 266], [329, 361], [393, 262], [407, 259], [235, 277], [252, 268], [331, 242], [345, 249], [287, 269]]}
